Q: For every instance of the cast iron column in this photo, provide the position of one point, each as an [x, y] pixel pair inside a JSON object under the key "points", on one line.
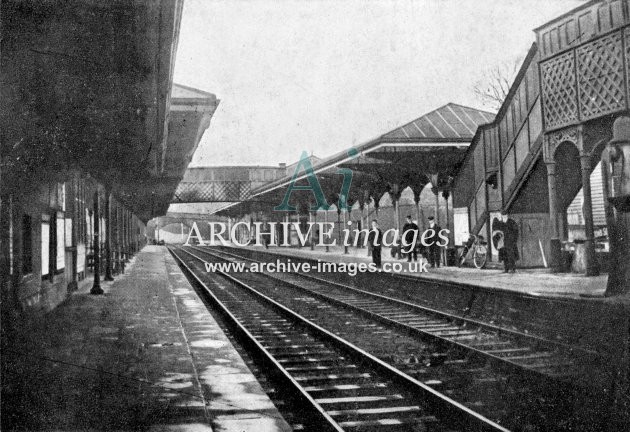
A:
{"points": [[327, 239], [436, 192], [589, 244], [312, 227], [73, 284], [416, 200], [338, 224], [395, 195], [96, 287], [555, 256], [108, 236]]}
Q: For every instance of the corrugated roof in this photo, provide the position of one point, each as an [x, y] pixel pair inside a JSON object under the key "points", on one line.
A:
{"points": [[450, 121]]}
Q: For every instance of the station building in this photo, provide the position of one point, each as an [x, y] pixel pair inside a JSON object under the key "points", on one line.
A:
{"points": [[95, 139]]}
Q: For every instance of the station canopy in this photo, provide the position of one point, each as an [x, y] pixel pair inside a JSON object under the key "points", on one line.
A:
{"points": [[432, 145], [88, 88]]}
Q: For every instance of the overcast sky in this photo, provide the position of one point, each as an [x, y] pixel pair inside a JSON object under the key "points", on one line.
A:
{"points": [[321, 76]]}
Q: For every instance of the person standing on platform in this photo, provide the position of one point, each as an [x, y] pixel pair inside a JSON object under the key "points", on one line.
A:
{"points": [[505, 239], [410, 236], [510, 244], [432, 241], [375, 240]]}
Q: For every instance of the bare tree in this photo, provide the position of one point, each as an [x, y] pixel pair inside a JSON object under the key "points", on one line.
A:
{"points": [[493, 88]]}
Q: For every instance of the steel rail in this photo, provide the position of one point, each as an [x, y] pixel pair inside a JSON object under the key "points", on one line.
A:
{"points": [[502, 362], [514, 333], [251, 339], [465, 415]]}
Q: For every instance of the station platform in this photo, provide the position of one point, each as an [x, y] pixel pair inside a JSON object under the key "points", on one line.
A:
{"points": [[146, 355], [535, 282]]}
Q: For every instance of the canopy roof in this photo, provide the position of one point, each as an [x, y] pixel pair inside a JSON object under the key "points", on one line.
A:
{"points": [[451, 121], [433, 143]]}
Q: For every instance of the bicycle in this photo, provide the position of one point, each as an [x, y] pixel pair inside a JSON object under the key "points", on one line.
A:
{"points": [[476, 247]]}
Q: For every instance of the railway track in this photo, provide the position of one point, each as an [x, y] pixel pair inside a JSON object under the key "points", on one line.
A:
{"points": [[341, 386], [513, 350], [461, 358]]}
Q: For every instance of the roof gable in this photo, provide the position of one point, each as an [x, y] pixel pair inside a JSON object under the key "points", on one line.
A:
{"points": [[451, 121], [179, 91]]}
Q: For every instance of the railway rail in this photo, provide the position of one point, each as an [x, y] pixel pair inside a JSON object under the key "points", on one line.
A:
{"points": [[459, 353], [518, 351], [345, 387]]}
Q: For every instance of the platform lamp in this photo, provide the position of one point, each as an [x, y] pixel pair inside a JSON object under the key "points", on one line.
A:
{"points": [[618, 173]]}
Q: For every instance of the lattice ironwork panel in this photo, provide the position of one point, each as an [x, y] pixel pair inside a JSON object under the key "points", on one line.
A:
{"points": [[226, 191], [600, 77], [559, 90]]}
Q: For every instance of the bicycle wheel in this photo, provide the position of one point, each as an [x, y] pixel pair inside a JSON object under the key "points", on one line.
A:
{"points": [[480, 257]]}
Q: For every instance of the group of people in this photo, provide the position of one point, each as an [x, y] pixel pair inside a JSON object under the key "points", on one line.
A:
{"points": [[410, 242], [504, 239]]}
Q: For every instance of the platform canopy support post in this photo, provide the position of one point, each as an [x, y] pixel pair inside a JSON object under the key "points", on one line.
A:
{"points": [[592, 269], [587, 208], [394, 194], [311, 218], [108, 235], [416, 201], [326, 228], [436, 193], [96, 286], [446, 195], [555, 246]]}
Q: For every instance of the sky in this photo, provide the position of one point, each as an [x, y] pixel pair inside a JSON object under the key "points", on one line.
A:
{"points": [[322, 76]]}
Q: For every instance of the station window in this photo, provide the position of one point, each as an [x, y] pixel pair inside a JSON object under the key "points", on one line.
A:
{"points": [[27, 245]]}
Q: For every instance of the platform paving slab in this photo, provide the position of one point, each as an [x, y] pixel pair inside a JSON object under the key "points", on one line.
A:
{"points": [[536, 282], [146, 355]]}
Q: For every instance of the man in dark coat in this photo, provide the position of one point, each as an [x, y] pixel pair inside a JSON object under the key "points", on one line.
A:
{"points": [[511, 247], [433, 248], [505, 240], [410, 236], [375, 239]]}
